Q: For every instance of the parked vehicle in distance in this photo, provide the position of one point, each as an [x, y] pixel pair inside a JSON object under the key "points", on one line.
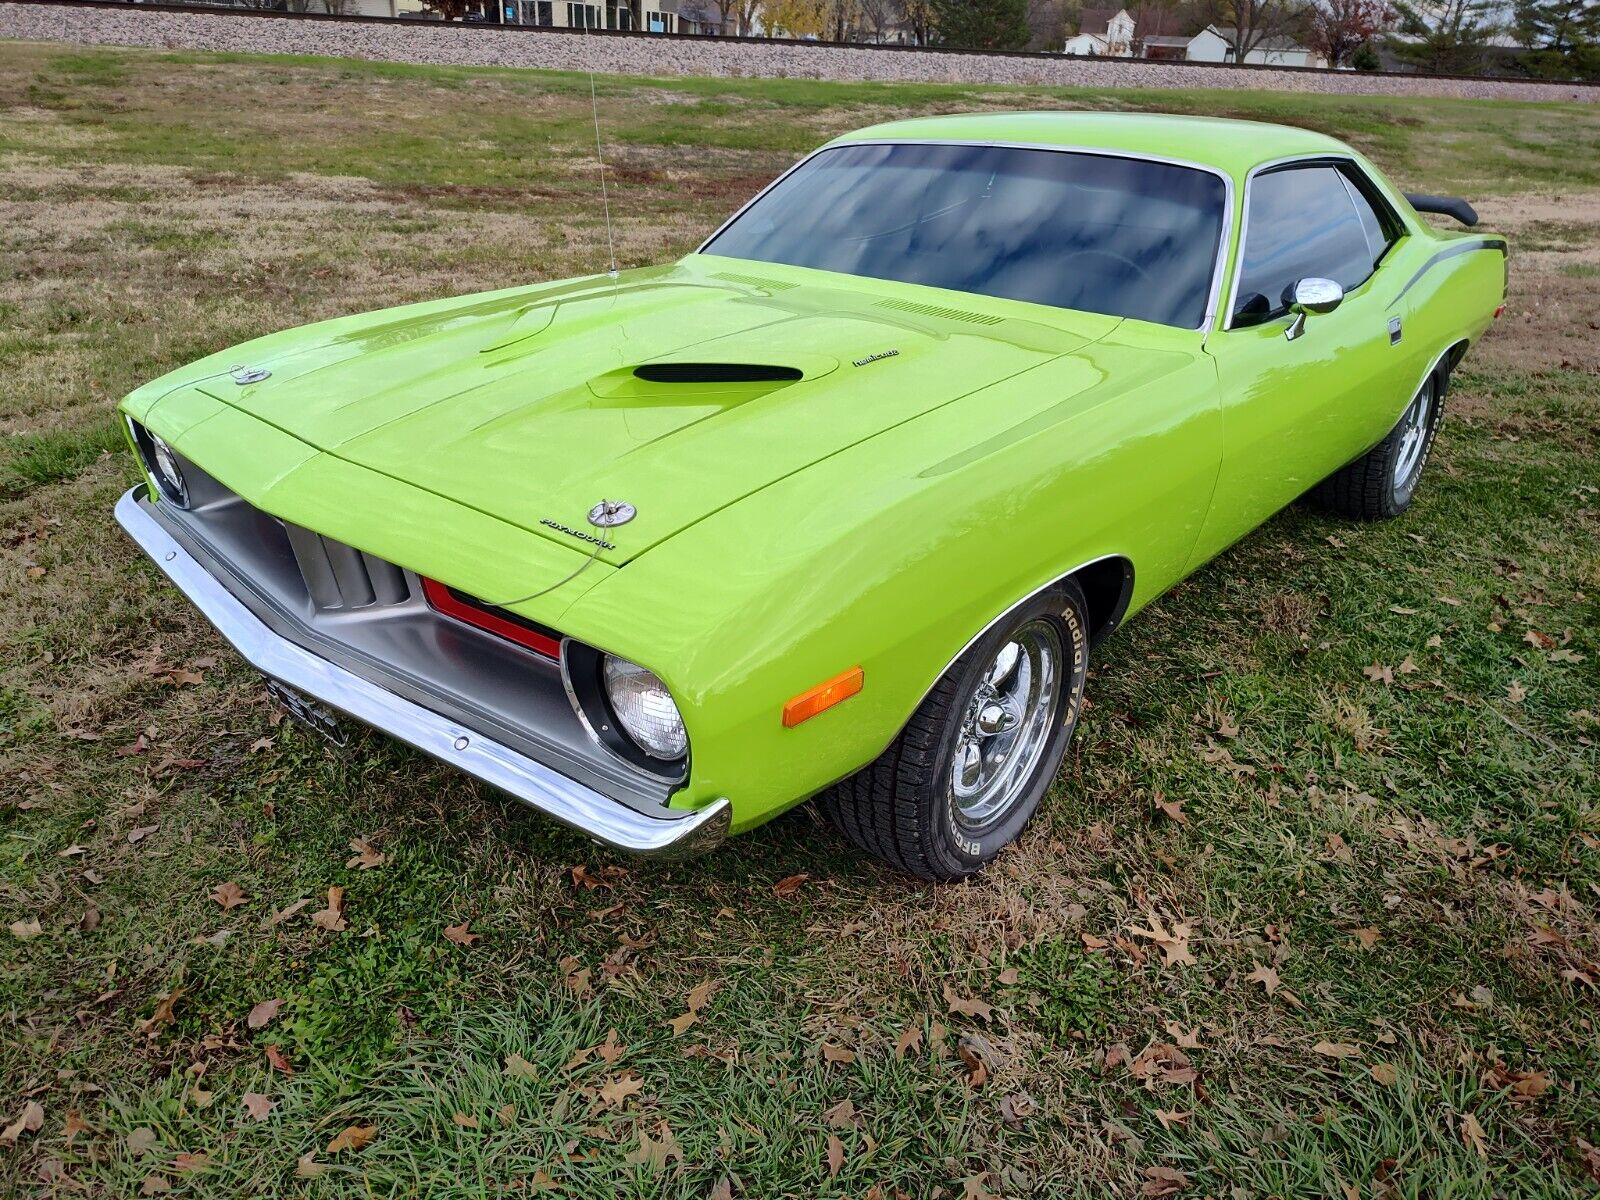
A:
{"points": [[838, 505]]}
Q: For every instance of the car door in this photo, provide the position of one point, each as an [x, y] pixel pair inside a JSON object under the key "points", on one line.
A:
{"points": [[1295, 409]]}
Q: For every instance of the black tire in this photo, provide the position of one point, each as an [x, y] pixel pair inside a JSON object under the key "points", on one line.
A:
{"points": [[1380, 484], [903, 807]]}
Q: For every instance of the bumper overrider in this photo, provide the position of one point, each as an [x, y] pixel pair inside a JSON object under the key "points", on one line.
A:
{"points": [[609, 822]]}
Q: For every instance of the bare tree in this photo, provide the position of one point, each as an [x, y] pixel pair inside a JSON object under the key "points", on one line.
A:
{"points": [[1338, 28], [917, 17], [877, 16], [1245, 24]]}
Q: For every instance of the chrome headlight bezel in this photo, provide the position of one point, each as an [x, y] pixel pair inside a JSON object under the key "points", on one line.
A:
{"points": [[585, 674], [161, 463]]}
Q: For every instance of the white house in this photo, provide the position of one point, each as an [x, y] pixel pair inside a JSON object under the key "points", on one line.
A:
{"points": [[1118, 35]]}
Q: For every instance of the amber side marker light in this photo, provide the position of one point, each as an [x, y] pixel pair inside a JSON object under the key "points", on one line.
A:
{"points": [[824, 696]]}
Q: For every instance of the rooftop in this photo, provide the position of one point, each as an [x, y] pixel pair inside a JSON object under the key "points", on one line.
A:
{"points": [[1233, 146]]}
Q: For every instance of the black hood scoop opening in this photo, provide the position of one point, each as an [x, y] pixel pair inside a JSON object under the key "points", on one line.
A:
{"points": [[716, 372]]}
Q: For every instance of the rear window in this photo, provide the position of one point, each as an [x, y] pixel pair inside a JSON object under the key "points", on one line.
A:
{"points": [[1122, 236]]}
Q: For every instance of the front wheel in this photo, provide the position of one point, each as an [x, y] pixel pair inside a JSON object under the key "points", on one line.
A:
{"points": [[969, 769], [1380, 483]]}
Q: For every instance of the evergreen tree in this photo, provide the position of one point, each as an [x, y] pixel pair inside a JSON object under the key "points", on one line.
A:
{"points": [[1562, 36], [1445, 37], [982, 24]]}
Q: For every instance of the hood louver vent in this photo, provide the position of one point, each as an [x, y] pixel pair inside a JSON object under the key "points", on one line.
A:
{"points": [[934, 310], [678, 372], [755, 281]]}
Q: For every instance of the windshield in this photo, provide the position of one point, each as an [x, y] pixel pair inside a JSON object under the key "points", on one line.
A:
{"points": [[1123, 236]]}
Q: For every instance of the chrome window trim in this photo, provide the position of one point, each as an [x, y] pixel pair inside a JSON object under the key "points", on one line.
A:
{"points": [[1309, 160], [1217, 266]]}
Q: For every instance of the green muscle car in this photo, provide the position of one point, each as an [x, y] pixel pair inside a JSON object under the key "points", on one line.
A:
{"points": [[837, 506]]}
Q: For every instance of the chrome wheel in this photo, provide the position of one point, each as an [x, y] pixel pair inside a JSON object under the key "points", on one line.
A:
{"points": [[1007, 723], [1414, 430]]}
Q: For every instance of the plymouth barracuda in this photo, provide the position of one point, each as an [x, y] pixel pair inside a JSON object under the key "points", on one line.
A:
{"points": [[837, 506]]}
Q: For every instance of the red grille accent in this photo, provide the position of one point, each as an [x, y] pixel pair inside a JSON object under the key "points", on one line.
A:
{"points": [[443, 600]]}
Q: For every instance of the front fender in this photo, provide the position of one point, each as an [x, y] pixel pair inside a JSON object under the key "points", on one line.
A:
{"points": [[893, 554]]}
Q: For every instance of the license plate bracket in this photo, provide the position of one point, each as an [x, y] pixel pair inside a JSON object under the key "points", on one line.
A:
{"points": [[306, 712]]}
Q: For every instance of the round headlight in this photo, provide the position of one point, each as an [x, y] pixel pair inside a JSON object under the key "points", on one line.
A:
{"points": [[645, 709], [162, 462]]}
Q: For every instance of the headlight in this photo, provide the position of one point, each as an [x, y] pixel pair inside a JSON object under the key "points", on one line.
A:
{"points": [[644, 709], [162, 462]]}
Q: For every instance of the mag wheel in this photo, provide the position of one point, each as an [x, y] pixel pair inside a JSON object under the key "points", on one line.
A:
{"points": [[969, 769]]}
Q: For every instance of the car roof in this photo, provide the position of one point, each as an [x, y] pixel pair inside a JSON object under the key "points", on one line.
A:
{"points": [[1231, 146]]}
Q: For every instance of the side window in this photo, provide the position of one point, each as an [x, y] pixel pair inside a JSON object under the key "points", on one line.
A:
{"points": [[1302, 221], [1378, 239]]}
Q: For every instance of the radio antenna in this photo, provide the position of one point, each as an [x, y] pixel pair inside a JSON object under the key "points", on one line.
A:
{"points": [[605, 199]]}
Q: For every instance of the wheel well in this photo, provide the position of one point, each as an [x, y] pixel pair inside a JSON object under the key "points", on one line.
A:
{"points": [[1107, 587], [1453, 356]]}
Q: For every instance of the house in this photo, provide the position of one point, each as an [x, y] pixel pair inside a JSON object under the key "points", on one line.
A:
{"points": [[1161, 33], [653, 16], [701, 18]]}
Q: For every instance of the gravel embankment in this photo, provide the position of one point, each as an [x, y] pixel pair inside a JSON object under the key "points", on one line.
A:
{"points": [[434, 43]]}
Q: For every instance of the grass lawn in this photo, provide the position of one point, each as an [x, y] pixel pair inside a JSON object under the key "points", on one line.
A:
{"points": [[1311, 911]]}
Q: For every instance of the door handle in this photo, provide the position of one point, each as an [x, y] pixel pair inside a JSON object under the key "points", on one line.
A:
{"points": [[1394, 331]]}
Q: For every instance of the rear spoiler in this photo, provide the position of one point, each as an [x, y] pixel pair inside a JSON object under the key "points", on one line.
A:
{"points": [[1450, 206]]}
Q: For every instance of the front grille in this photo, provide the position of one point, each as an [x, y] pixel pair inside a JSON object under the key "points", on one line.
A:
{"points": [[340, 577]]}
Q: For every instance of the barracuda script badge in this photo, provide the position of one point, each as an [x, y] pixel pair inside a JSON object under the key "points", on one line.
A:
{"points": [[872, 358]]}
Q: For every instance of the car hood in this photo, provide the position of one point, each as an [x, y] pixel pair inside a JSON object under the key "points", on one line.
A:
{"points": [[677, 390]]}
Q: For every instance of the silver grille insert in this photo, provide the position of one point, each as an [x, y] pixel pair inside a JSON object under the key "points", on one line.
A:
{"points": [[340, 577]]}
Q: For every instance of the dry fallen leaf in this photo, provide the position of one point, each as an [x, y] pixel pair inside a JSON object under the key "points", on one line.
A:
{"points": [[842, 1115], [459, 935], [187, 1161], [1336, 1050], [1516, 693], [681, 1023], [1472, 1135], [366, 856], [26, 930], [835, 1155], [229, 895], [307, 1167], [965, 1006], [1163, 1181], [837, 1054], [910, 1040], [154, 1185], [258, 1105], [615, 1093], [1367, 937], [283, 914], [31, 1121], [520, 1068], [263, 1014], [463, 1121], [276, 1060], [655, 1151], [789, 885], [332, 917], [1385, 1073], [1173, 809], [163, 1014], [1170, 1117], [353, 1137], [1379, 673]]}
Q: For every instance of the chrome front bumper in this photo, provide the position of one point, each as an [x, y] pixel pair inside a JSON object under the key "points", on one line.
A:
{"points": [[605, 820]]}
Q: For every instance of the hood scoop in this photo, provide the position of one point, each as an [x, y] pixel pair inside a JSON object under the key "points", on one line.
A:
{"points": [[716, 372]]}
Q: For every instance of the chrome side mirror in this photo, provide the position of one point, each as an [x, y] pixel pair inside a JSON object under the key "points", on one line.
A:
{"points": [[1311, 295]]}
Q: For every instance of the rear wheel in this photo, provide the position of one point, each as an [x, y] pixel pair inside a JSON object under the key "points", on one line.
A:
{"points": [[1380, 483], [969, 769]]}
